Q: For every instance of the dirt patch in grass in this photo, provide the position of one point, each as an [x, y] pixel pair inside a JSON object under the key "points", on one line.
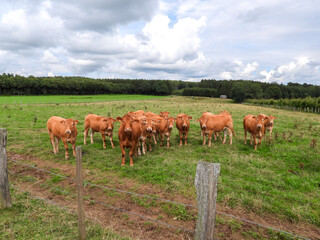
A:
{"points": [[47, 186]]}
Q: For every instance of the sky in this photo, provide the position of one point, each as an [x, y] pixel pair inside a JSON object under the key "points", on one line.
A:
{"points": [[189, 40]]}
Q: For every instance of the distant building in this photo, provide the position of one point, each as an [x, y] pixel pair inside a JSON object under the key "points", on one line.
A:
{"points": [[223, 96]]}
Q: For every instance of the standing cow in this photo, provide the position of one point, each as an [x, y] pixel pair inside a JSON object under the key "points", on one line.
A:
{"points": [[268, 123], [64, 129], [164, 128], [183, 125], [104, 125], [129, 134], [255, 126]]}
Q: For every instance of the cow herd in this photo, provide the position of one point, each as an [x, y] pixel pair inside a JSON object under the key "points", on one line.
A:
{"points": [[138, 129]]}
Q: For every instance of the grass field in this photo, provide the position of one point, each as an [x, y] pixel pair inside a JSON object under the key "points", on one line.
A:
{"points": [[71, 98], [280, 179]]}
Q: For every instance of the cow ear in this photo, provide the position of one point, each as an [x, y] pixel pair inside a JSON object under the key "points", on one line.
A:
{"points": [[189, 117], [136, 120], [105, 120], [119, 119], [114, 120], [175, 119], [76, 122], [161, 112], [254, 117], [275, 117], [63, 122], [198, 120]]}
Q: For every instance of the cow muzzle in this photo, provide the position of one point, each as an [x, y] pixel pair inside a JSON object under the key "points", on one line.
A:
{"points": [[127, 130], [109, 129], [149, 129], [68, 131], [170, 126], [203, 127]]}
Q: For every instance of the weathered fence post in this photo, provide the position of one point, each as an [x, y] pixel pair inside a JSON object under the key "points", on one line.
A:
{"points": [[81, 220], [5, 197], [206, 186]]}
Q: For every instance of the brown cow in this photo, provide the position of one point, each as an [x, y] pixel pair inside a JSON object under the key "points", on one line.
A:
{"points": [[137, 113], [164, 128], [129, 133], [215, 123], [146, 126], [104, 125], [255, 126], [64, 129], [183, 125], [268, 123]]}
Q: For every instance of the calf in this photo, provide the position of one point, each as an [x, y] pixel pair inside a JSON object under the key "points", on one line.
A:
{"points": [[64, 129], [215, 123], [129, 133], [147, 126], [183, 125], [268, 123], [255, 126], [164, 128], [104, 125]]}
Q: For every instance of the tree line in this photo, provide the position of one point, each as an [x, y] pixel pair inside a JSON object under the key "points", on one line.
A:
{"points": [[239, 90]]}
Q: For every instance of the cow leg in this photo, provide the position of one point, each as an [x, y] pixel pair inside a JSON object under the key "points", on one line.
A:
{"points": [[180, 134], [111, 141], [215, 136], [66, 148], [230, 136], [52, 141], [123, 153], [85, 136], [245, 137], [270, 133], [251, 137], [137, 148], [220, 136], [154, 138], [168, 141], [57, 145], [161, 139], [150, 140], [131, 153], [255, 143], [74, 148], [204, 138], [209, 138], [224, 136], [185, 138], [91, 135], [103, 139]]}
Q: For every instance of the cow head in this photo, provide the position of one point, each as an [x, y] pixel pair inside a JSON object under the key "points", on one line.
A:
{"points": [[108, 124], [271, 120], [171, 121], [70, 125], [203, 123], [164, 114], [184, 120], [127, 121]]}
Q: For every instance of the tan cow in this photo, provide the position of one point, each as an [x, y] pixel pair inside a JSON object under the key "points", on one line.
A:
{"points": [[64, 129], [268, 123], [183, 125], [255, 126], [129, 133], [164, 128], [103, 125], [216, 123]]}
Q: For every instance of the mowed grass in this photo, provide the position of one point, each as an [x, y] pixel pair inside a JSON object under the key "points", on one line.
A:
{"points": [[281, 178], [72, 98], [31, 218]]}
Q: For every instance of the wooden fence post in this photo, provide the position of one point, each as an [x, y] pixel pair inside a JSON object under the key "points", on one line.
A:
{"points": [[81, 220], [206, 186], [5, 197]]}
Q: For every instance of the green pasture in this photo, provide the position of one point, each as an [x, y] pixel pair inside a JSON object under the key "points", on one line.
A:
{"points": [[30, 218], [281, 178], [72, 98]]}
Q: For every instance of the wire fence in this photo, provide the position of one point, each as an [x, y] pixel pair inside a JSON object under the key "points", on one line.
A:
{"points": [[160, 199]]}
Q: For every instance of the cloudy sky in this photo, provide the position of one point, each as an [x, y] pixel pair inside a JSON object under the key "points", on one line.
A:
{"points": [[270, 41]]}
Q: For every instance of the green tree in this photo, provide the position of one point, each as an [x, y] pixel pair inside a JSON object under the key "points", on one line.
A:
{"points": [[273, 92], [238, 92]]}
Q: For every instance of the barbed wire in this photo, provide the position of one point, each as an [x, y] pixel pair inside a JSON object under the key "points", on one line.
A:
{"points": [[105, 187], [266, 194], [90, 200], [123, 210], [261, 225]]}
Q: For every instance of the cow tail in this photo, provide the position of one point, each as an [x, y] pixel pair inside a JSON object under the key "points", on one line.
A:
{"points": [[233, 132]]}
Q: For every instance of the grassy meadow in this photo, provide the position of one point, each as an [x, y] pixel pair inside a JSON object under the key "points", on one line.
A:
{"points": [[281, 178]]}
